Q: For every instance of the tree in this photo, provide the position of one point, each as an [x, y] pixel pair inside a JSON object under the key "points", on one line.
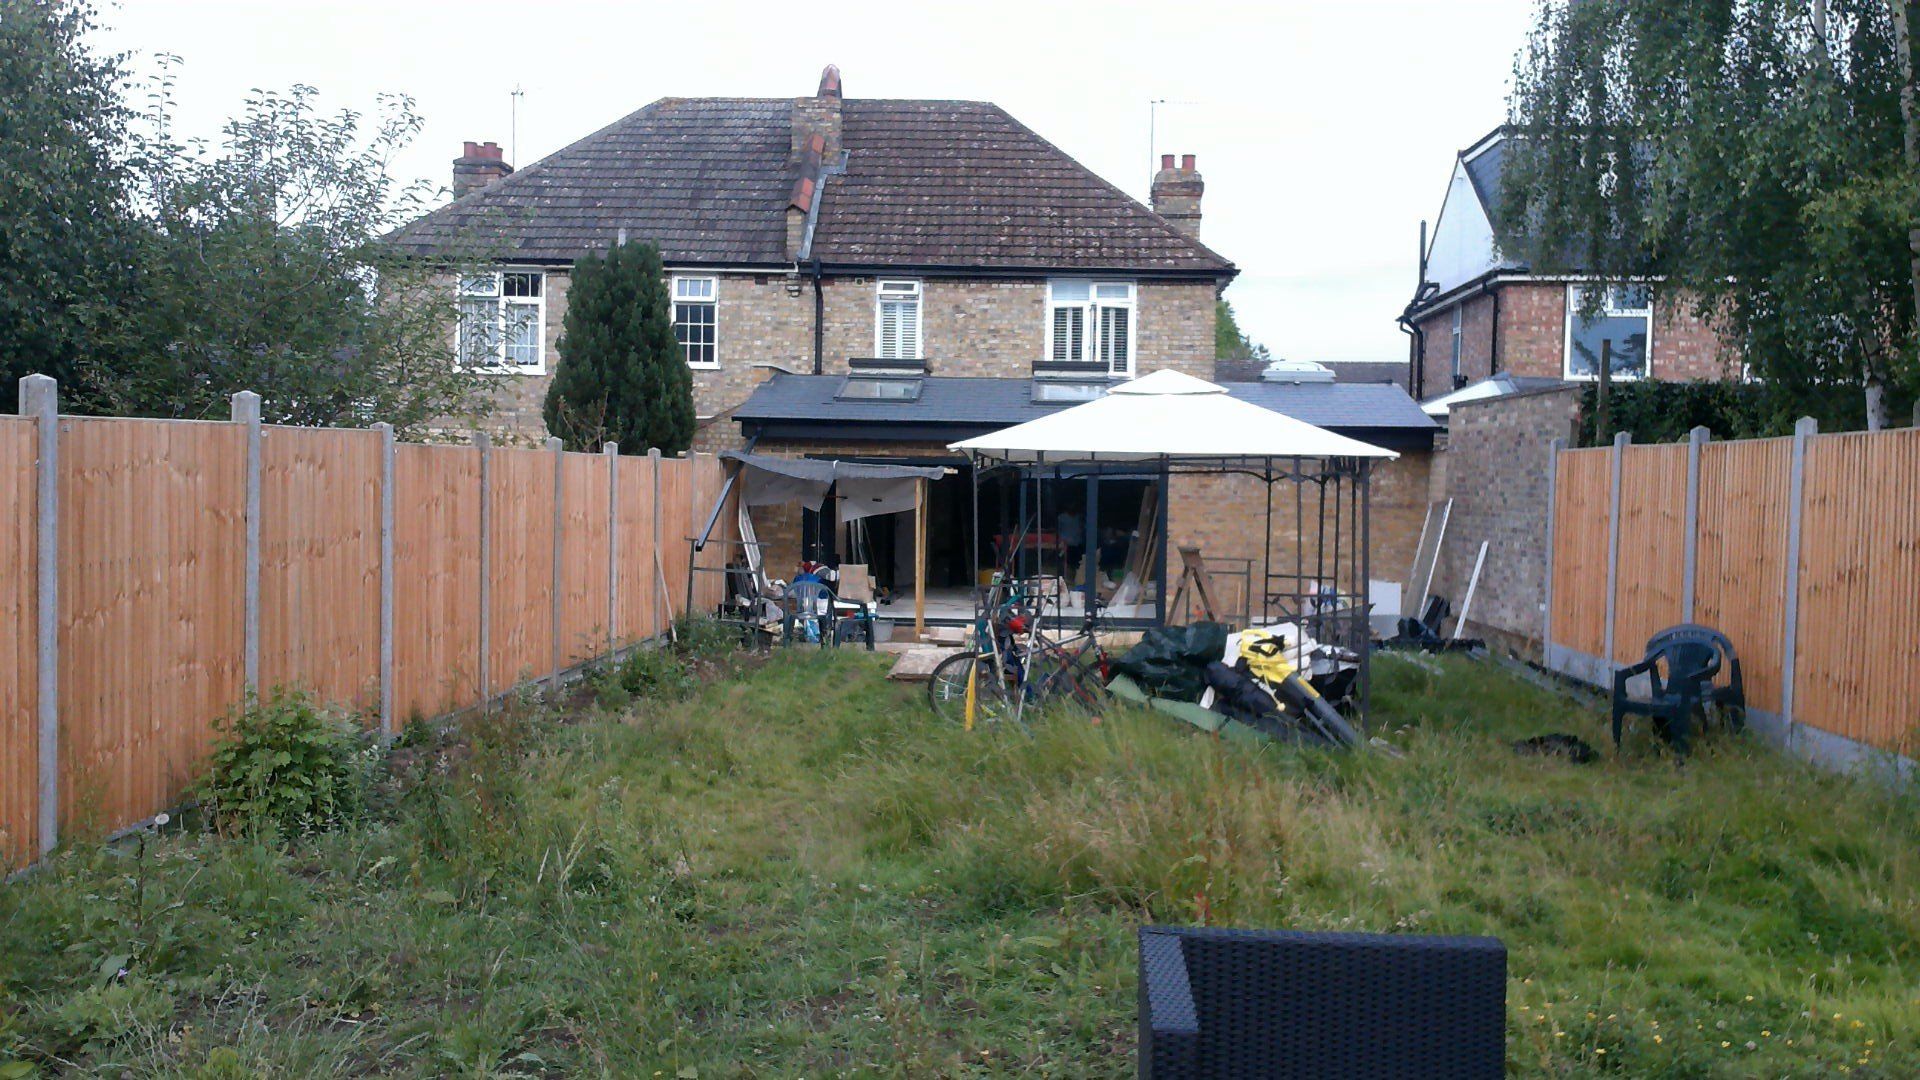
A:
{"points": [[1749, 153], [263, 269], [1229, 342], [66, 243], [621, 375]]}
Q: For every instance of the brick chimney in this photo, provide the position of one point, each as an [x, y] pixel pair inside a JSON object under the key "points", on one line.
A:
{"points": [[815, 143], [1176, 194], [477, 166]]}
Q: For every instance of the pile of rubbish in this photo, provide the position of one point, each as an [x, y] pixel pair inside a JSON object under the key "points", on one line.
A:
{"points": [[1266, 683]]}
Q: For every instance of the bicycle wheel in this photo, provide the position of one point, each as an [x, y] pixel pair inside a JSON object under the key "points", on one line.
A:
{"points": [[947, 689]]}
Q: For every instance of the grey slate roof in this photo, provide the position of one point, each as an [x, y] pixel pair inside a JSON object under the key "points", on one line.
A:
{"points": [[1000, 402], [929, 184], [705, 178], [932, 183]]}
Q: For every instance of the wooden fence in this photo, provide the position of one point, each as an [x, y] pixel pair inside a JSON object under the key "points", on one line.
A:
{"points": [[188, 561], [1805, 551]]}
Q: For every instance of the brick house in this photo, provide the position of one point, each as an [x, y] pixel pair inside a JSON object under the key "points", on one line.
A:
{"points": [[878, 278], [1479, 314]]}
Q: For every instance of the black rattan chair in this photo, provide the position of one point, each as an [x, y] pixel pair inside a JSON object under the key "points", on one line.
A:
{"points": [[1247, 1003]]}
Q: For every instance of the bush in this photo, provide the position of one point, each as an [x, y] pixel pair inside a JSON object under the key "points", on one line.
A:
{"points": [[288, 765], [702, 637]]}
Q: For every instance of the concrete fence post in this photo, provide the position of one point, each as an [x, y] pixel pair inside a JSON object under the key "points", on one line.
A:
{"points": [[559, 551], [484, 446], [1690, 565], [386, 579], [1803, 430], [1621, 441], [1554, 446], [246, 410], [612, 451], [40, 399], [659, 567]]}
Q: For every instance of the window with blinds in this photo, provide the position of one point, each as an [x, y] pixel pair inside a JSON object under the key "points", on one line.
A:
{"points": [[896, 323], [1091, 321]]}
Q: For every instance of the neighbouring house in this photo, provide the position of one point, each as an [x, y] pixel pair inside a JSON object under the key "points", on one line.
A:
{"points": [[1479, 315], [876, 279]]}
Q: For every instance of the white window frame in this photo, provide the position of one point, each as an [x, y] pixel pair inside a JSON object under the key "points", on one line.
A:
{"points": [[1609, 310], [501, 303], [1090, 333], [674, 300], [903, 291]]}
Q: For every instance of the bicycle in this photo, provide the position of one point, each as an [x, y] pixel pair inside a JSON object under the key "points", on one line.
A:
{"points": [[1020, 665]]}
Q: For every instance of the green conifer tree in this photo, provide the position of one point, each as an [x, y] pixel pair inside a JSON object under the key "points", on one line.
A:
{"points": [[621, 374]]}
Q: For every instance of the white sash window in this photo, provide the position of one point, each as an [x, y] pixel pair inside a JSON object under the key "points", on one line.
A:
{"points": [[896, 322], [1091, 322]]}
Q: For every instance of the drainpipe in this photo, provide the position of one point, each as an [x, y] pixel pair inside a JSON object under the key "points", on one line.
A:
{"points": [[819, 320], [1493, 333], [1417, 338]]}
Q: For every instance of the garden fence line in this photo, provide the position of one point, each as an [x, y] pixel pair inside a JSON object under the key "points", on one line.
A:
{"points": [[1804, 550], [152, 572]]}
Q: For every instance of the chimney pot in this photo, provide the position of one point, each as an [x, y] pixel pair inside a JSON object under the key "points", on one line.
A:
{"points": [[472, 149], [1166, 161], [1186, 162], [478, 165], [829, 81]]}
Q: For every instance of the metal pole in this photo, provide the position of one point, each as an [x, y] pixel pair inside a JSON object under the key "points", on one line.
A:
{"points": [[40, 399], [1696, 441], [386, 578], [1366, 575], [1803, 430], [1266, 548], [246, 410]]}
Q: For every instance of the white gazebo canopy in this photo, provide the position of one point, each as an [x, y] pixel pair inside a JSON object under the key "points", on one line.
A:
{"points": [[1165, 415]]}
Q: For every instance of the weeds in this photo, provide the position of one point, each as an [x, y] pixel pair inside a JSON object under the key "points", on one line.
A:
{"points": [[287, 765], [798, 871]]}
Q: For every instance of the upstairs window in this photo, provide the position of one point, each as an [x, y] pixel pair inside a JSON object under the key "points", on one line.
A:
{"points": [[1457, 380], [695, 307], [1091, 321], [896, 321], [503, 322], [1622, 331]]}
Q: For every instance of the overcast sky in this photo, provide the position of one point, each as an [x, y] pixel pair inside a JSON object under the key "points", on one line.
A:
{"points": [[1325, 131]]}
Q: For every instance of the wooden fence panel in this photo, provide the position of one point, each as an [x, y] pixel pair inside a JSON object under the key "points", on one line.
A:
{"points": [[584, 565], [676, 495], [19, 645], [436, 580], [1740, 580], [520, 601], [641, 602], [152, 610], [1653, 546], [1857, 664], [708, 479], [1583, 503], [320, 564]]}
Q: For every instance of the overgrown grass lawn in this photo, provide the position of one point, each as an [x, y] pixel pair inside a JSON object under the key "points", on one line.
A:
{"points": [[798, 871]]}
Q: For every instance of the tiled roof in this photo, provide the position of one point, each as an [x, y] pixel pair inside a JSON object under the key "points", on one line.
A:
{"points": [[996, 403], [705, 178], [928, 184], [934, 183]]}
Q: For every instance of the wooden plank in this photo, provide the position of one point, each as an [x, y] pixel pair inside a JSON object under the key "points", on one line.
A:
{"points": [[1740, 579], [436, 554], [19, 647], [152, 621], [1653, 543], [1583, 496], [1857, 668], [639, 594], [521, 591], [320, 564], [583, 570]]}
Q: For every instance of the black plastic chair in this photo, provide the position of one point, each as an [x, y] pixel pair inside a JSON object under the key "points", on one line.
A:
{"points": [[1683, 664], [1243, 1003]]}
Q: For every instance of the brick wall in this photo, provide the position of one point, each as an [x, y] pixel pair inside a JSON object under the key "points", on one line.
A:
{"points": [[1532, 338], [1225, 516], [1495, 471], [970, 328]]}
